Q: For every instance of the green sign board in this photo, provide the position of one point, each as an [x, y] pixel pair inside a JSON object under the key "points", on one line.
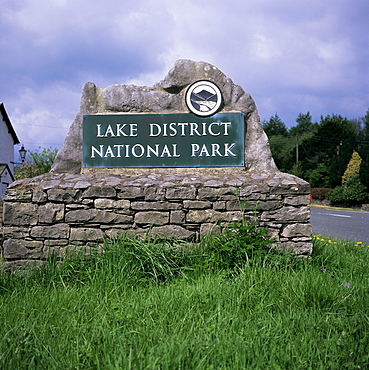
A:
{"points": [[163, 140]]}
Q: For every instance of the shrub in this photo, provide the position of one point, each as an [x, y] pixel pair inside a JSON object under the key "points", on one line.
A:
{"points": [[236, 243], [352, 192], [319, 176], [39, 162], [320, 193]]}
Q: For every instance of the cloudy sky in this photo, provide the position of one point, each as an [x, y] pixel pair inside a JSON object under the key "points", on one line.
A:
{"points": [[291, 56]]}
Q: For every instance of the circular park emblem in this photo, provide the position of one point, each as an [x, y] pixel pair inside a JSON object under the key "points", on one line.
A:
{"points": [[203, 98]]}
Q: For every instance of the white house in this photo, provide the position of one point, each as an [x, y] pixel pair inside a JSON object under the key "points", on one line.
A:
{"points": [[8, 138]]}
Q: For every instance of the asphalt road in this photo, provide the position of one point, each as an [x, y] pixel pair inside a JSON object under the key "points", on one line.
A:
{"points": [[345, 225]]}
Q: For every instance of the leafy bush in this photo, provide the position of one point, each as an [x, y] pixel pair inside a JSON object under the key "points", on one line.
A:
{"points": [[233, 244], [237, 243], [39, 162], [318, 176], [320, 193], [350, 193]]}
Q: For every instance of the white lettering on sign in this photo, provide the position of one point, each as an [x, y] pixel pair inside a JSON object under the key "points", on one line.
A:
{"points": [[204, 150], [121, 129], [137, 151], [189, 129]]}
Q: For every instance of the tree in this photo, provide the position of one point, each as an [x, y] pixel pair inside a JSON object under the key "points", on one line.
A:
{"points": [[37, 163], [332, 143], [279, 142], [365, 122], [275, 126], [353, 167], [319, 176], [363, 150], [304, 124], [281, 148], [301, 132], [352, 190]]}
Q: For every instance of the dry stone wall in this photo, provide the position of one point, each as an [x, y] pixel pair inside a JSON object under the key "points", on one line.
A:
{"points": [[48, 214], [1, 214], [1, 226]]}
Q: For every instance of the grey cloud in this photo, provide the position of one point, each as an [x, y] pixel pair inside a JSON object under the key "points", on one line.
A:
{"points": [[290, 56]]}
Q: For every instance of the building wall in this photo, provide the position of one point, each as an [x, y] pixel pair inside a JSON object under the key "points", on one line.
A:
{"points": [[6, 145], [5, 181]]}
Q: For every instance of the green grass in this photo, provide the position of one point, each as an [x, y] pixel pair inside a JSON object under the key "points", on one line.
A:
{"points": [[157, 305]]}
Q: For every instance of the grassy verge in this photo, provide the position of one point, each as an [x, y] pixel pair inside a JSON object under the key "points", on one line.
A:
{"points": [[317, 205], [159, 305]]}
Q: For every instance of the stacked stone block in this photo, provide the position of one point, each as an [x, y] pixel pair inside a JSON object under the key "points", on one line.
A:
{"points": [[1, 227], [51, 213]]}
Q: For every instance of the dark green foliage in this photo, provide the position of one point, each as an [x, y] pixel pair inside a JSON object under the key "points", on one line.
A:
{"points": [[332, 143], [320, 152], [333, 129], [304, 125], [236, 244], [363, 150], [282, 148], [319, 176], [364, 167], [365, 123], [296, 170], [352, 192], [275, 126]]}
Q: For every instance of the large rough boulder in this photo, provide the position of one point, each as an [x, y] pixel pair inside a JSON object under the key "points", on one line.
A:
{"points": [[167, 96]]}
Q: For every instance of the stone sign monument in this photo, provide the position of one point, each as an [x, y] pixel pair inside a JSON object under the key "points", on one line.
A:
{"points": [[162, 160]]}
